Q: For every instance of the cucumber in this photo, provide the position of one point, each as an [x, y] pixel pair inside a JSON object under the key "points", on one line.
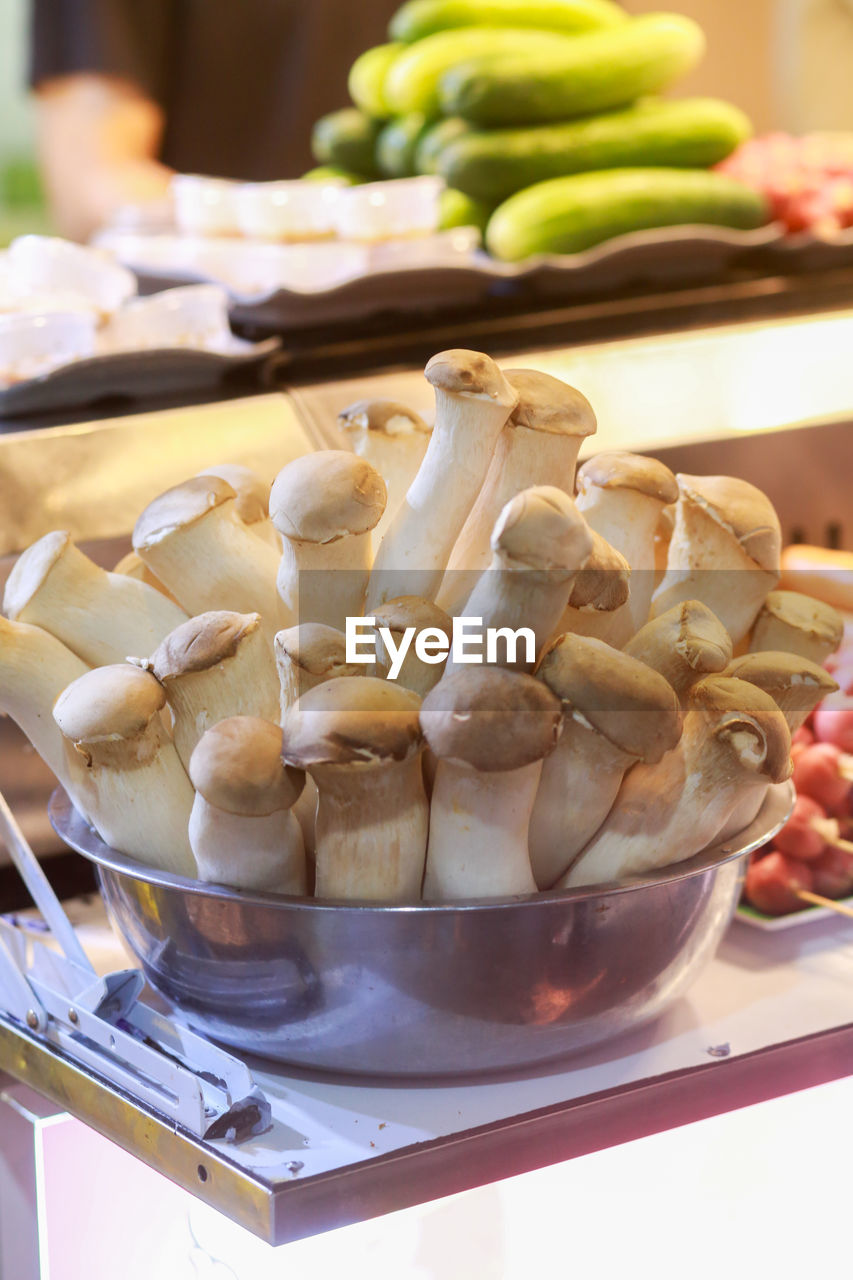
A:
{"points": [[578, 77], [366, 82], [420, 18], [346, 139], [433, 141], [396, 144], [686, 132], [330, 173], [412, 82], [455, 209], [567, 215]]}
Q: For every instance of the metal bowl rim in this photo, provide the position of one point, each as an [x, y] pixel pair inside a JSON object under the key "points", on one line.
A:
{"points": [[72, 828]]}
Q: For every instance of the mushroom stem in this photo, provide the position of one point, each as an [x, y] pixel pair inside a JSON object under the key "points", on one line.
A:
{"points": [[252, 504], [133, 566], [393, 439], [489, 729], [213, 667], [100, 616], [539, 544], [123, 770], [371, 831], [360, 741], [472, 401], [402, 628], [325, 582], [500, 804], [734, 739], [538, 446], [34, 669], [193, 540]]}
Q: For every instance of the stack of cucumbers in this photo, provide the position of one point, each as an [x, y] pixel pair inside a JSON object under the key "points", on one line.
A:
{"points": [[541, 116]]}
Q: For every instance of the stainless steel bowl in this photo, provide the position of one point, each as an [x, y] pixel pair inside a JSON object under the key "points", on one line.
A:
{"points": [[423, 990]]}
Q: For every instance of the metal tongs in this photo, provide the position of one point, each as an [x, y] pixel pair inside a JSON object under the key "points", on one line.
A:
{"points": [[101, 1025]]}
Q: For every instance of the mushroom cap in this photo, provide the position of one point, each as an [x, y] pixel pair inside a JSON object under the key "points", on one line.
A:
{"points": [[803, 613], [691, 630], [356, 720], [491, 719], [31, 569], [625, 701], [604, 582], [783, 674], [623, 470], [252, 492], [324, 496], [411, 611], [180, 506], [741, 509], [731, 705], [386, 416], [237, 766], [547, 404], [469, 373], [314, 647], [109, 704], [200, 643], [541, 528]]}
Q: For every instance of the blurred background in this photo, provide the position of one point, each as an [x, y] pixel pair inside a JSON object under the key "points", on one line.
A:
{"points": [[785, 62]]}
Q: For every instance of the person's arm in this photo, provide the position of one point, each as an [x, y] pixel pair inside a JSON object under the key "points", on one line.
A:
{"points": [[98, 138]]}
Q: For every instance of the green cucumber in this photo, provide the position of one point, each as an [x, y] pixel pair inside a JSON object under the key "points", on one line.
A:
{"points": [[397, 143], [567, 215], [331, 173], [455, 209], [420, 18], [347, 139], [684, 132], [433, 141], [579, 77], [412, 82], [366, 82]]}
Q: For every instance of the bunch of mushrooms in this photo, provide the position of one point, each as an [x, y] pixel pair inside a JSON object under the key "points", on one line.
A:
{"points": [[203, 708]]}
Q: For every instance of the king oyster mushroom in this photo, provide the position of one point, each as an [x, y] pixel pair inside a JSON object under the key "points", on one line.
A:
{"points": [[725, 550], [472, 402], [616, 712], [193, 540], [685, 644], [213, 667], [100, 616], [393, 439], [325, 506], [538, 446], [360, 741], [490, 730], [735, 739], [123, 770], [622, 495], [796, 623], [241, 828]]}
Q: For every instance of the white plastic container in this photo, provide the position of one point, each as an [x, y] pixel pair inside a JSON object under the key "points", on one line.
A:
{"points": [[32, 345], [204, 206], [388, 210], [41, 267], [287, 210], [191, 316]]}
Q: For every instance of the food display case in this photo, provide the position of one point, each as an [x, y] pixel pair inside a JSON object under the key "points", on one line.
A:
{"points": [[437, 1175]]}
